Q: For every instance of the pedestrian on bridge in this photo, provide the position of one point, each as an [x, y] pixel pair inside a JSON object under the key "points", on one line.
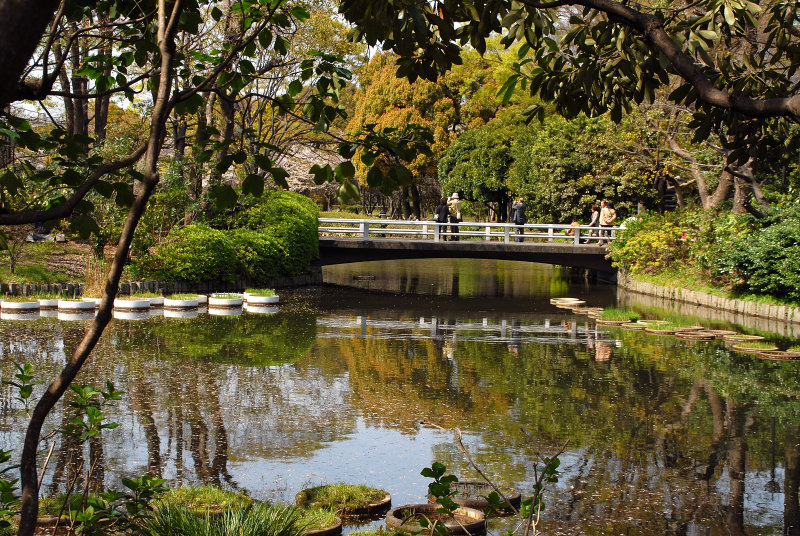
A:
{"points": [[454, 206], [442, 214], [519, 218], [607, 218]]}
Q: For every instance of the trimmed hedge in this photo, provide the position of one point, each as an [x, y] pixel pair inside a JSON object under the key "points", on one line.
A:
{"points": [[291, 219], [194, 253], [765, 261], [277, 237]]}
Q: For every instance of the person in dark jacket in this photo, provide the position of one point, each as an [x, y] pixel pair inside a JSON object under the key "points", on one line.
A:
{"points": [[518, 217], [442, 213]]}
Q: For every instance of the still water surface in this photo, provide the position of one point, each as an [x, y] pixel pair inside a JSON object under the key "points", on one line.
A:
{"points": [[352, 382]]}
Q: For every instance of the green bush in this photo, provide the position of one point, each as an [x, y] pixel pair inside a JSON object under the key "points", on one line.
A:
{"points": [[737, 252], [261, 256], [650, 243], [764, 261], [292, 220], [276, 236], [194, 253]]}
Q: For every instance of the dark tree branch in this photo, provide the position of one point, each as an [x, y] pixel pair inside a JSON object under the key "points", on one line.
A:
{"points": [[22, 24], [65, 209], [652, 28]]}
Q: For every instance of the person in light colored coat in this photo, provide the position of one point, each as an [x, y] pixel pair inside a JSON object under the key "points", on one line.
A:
{"points": [[454, 206]]}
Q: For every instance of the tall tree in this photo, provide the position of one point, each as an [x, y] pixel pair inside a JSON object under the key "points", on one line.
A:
{"points": [[736, 61]]}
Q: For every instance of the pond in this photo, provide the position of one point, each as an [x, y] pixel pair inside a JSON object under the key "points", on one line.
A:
{"points": [[365, 380]]}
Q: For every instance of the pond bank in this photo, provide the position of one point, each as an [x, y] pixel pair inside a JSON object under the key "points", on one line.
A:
{"points": [[782, 319], [312, 277]]}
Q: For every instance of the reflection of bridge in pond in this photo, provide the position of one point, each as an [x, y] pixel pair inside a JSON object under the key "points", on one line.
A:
{"points": [[502, 332]]}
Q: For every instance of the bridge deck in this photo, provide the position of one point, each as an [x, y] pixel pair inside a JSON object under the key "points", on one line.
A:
{"points": [[339, 250]]}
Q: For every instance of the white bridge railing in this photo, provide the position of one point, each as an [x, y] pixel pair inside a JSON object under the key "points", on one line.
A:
{"points": [[425, 230]]}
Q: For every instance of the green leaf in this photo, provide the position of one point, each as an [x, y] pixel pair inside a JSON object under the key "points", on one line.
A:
{"points": [[224, 196], [262, 161], [345, 169], [279, 175], [300, 13], [253, 184], [321, 174], [374, 177], [265, 39], [85, 225], [295, 87]]}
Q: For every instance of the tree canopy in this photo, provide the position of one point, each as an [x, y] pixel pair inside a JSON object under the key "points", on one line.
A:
{"points": [[734, 62]]}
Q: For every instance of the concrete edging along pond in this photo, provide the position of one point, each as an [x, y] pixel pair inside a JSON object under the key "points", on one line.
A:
{"points": [[313, 277], [737, 308]]}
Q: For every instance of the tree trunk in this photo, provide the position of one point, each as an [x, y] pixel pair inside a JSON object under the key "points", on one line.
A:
{"points": [[694, 169], [415, 201], [723, 189], [101, 104], [195, 178], [28, 463]]}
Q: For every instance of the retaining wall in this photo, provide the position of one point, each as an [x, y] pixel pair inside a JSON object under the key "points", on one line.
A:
{"points": [[782, 319]]}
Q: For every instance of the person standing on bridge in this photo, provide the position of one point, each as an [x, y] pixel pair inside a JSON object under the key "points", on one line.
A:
{"points": [[518, 217], [607, 218], [454, 206], [442, 214]]}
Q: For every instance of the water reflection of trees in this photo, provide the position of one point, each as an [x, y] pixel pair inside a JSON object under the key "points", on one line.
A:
{"points": [[454, 277], [669, 436]]}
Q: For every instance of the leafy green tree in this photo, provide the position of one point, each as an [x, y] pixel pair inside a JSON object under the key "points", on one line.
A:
{"points": [[479, 161], [594, 56], [564, 166]]}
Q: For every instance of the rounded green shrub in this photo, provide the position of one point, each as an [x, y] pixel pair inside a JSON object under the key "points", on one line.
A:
{"points": [[292, 220], [194, 253]]}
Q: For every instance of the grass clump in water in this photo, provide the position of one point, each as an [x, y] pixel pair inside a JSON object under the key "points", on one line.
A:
{"points": [[144, 294], [614, 314], [339, 497], [756, 345], [261, 292], [19, 299], [317, 518], [206, 498], [182, 296]]}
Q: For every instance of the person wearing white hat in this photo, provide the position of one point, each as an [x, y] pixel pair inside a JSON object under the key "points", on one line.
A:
{"points": [[454, 205]]}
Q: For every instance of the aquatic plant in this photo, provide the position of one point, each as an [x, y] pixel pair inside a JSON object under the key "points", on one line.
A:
{"points": [[259, 520], [614, 314], [317, 518], [206, 497], [340, 497], [261, 292]]}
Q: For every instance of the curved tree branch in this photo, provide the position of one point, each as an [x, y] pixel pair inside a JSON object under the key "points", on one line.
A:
{"points": [[65, 209], [652, 28]]}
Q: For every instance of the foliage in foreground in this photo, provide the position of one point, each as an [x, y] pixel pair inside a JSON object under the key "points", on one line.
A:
{"points": [[259, 520], [737, 252]]}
